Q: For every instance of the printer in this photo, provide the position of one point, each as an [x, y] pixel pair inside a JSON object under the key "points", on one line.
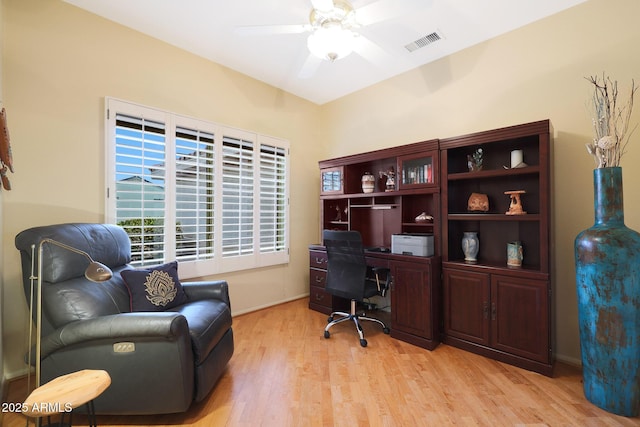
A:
{"points": [[416, 244]]}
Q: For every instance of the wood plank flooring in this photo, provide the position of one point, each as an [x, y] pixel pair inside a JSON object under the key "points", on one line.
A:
{"points": [[285, 373]]}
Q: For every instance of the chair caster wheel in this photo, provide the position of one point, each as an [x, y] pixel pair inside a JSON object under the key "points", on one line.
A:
{"points": [[327, 334], [363, 343], [386, 331]]}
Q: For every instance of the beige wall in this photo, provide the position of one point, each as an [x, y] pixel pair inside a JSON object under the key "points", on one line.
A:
{"points": [[58, 63], [530, 74]]}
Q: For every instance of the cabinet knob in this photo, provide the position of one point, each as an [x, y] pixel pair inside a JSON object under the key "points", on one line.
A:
{"points": [[319, 279], [485, 310], [493, 311]]}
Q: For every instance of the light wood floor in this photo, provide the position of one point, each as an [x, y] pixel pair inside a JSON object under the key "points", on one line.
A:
{"points": [[285, 373]]}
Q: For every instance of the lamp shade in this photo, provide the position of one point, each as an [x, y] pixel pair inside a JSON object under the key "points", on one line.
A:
{"points": [[331, 42], [98, 272]]}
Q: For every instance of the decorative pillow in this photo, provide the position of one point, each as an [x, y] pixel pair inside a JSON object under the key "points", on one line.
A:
{"points": [[155, 288]]}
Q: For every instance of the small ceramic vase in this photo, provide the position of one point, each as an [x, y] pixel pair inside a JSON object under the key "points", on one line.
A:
{"points": [[470, 246], [514, 254], [368, 183]]}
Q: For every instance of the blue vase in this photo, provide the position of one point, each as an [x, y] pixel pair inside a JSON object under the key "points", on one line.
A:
{"points": [[607, 258], [470, 246]]}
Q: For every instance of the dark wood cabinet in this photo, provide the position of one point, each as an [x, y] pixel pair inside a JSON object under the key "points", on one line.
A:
{"points": [[490, 307], [503, 317], [466, 302], [319, 299], [406, 185], [485, 306], [415, 294], [332, 180], [418, 170], [386, 210], [519, 317], [415, 301]]}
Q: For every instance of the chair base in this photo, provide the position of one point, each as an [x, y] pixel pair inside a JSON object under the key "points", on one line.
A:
{"points": [[356, 320]]}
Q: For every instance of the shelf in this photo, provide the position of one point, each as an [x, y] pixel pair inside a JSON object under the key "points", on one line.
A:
{"points": [[491, 217], [375, 206], [532, 271], [491, 173], [418, 224], [405, 192]]}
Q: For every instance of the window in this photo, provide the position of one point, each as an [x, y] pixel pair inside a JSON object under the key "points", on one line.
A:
{"points": [[212, 197]]}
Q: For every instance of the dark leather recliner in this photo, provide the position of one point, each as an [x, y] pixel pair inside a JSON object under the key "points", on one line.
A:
{"points": [[177, 355]]}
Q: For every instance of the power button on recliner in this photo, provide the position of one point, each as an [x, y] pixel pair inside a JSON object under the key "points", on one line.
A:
{"points": [[124, 347]]}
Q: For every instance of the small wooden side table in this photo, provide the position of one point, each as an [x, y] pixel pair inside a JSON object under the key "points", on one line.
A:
{"points": [[63, 394]]}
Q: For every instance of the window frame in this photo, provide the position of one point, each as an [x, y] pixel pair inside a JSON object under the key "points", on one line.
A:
{"points": [[218, 263]]}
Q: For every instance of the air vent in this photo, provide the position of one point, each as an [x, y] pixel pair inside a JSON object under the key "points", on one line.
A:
{"points": [[424, 41]]}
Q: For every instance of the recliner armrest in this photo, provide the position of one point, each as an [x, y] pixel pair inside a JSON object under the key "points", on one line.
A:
{"points": [[218, 289], [124, 326]]}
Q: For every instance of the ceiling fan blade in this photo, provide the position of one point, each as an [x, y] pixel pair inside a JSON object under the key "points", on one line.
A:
{"points": [[372, 52], [322, 5], [259, 30], [310, 66], [383, 10]]}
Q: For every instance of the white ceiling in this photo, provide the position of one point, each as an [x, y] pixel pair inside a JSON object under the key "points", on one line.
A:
{"points": [[208, 28]]}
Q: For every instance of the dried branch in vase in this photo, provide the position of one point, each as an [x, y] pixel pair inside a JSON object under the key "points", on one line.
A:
{"points": [[610, 122]]}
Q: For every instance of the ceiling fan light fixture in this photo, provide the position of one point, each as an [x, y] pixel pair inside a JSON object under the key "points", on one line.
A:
{"points": [[331, 42]]}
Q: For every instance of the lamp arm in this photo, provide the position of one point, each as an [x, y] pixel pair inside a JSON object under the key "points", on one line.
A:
{"points": [[32, 280], [65, 246], [39, 314], [98, 272]]}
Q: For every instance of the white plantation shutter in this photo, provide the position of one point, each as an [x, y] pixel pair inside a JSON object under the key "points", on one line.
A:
{"points": [[237, 196], [213, 197], [273, 198], [140, 185], [195, 183]]}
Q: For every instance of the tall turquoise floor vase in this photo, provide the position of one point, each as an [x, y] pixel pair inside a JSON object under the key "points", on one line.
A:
{"points": [[607, 259]]}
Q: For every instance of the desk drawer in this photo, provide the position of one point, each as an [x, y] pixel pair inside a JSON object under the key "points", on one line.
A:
{"points": [[317, 278], [318, 296], [318, 259]]}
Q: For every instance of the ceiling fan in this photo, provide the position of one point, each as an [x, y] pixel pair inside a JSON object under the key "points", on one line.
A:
{"points": [[333, 27]]}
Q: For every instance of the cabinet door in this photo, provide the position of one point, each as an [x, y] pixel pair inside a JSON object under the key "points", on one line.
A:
{"points": [[332, 180], [411, 305], [520, 317], [418, 170], [466, 305]]}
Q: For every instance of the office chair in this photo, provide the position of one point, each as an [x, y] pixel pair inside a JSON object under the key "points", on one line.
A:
{"points": [[347, 278]]}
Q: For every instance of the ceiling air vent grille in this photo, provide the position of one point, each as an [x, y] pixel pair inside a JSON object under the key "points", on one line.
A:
{"points": [[423, 41]]}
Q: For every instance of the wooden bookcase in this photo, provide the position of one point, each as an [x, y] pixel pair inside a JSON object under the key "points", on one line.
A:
{"points": [[489, 307], [388, 210], [380, 214], [485, 307]]}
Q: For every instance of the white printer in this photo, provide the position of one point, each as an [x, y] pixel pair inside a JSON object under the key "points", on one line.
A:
{"points": [[417, 244]]}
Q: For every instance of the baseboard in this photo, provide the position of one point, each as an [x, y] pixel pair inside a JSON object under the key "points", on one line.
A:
{"points": [[569, 360], [262, 307]]}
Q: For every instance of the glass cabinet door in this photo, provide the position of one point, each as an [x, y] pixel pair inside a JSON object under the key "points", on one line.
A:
{"points": [[331, 181], [418, 171]]}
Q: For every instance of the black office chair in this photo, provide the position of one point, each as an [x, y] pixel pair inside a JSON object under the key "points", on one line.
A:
{"points": [[347, 278]]}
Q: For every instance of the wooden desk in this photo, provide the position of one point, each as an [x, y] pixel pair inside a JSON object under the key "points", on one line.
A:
{"points": [[63, 394], [415, 293]]}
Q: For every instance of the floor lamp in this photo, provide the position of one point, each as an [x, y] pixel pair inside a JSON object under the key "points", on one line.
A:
{"points": [[95, 272]]}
